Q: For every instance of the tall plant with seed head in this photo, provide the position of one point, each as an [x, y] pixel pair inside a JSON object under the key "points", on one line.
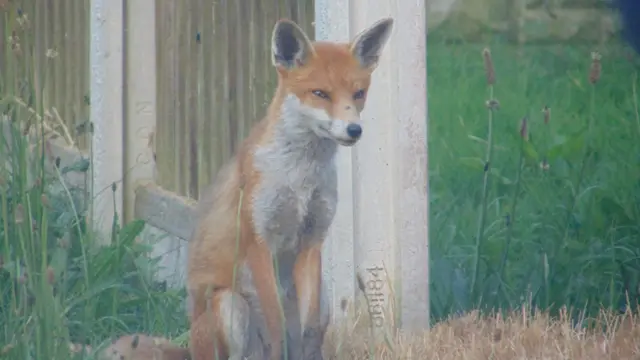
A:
{"points": [[595, 71], [492, 106], [511, 218]]}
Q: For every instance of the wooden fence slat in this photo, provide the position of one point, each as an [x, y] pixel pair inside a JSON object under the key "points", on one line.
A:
{"points": [[57, 44], [66, 61], [165, 210], [182, 98], [240, 61], [225, 120], [251, 56], [163, 135], [168, 134], [40, 55], [214, 123], [75, 53], [4, 38], [270, 17], [192, 95], [204, 100], [45, 13]]}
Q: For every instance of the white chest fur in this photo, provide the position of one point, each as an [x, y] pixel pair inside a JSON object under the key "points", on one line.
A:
{"points": [[296, 198]]}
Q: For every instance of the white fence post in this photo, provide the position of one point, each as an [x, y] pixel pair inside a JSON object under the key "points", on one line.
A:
{"points": [[332, 23], [408, 62], [107, 110], [140, 62], [140, 126], [381, 225]]}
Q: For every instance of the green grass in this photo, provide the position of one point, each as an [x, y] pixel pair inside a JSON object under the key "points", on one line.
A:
{"points": [[565, 235]]}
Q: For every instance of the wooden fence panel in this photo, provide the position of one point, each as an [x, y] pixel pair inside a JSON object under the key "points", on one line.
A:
{"points": [[215, 80], [51, 42]]}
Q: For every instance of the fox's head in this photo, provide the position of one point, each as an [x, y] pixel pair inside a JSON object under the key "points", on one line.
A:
{"points": [[325, 84]]}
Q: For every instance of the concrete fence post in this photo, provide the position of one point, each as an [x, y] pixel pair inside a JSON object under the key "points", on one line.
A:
{"points": [[381, 231], [107, 110]]}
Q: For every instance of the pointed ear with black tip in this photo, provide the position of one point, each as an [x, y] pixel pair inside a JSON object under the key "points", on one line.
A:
{"points": [[367, 46], [290, 46]]}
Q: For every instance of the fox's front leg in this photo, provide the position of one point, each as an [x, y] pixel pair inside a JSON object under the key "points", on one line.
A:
{"points": [[264, 279], [312, 302]]}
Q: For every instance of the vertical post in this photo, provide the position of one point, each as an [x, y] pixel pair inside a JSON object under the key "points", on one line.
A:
{"points": [[140, 72], [383, 180], [106, 63], [140, 125], [410, 182], [332, 23]]}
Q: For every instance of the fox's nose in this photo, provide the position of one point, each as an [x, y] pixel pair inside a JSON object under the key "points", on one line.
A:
{"points": [[354, 131]]}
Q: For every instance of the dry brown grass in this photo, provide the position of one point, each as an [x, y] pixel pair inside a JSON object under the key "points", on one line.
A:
{"points": [[523, 334]]}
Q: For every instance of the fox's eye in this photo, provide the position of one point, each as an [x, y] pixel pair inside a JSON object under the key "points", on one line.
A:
{"points": [[321, 94], [358, 94]]}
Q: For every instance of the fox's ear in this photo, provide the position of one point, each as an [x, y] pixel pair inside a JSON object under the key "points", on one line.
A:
{"points": [[368, 44], [290, 46]]}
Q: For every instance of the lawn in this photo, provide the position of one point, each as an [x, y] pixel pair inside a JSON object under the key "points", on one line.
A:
{"points": [[561, 206], [549, 223]]}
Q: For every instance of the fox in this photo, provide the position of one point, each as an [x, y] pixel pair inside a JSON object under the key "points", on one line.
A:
{"points": [[254, 257], [254, 263]]}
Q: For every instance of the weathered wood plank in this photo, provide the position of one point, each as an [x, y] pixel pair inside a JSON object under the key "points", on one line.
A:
{"points": [[165, 210]]}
